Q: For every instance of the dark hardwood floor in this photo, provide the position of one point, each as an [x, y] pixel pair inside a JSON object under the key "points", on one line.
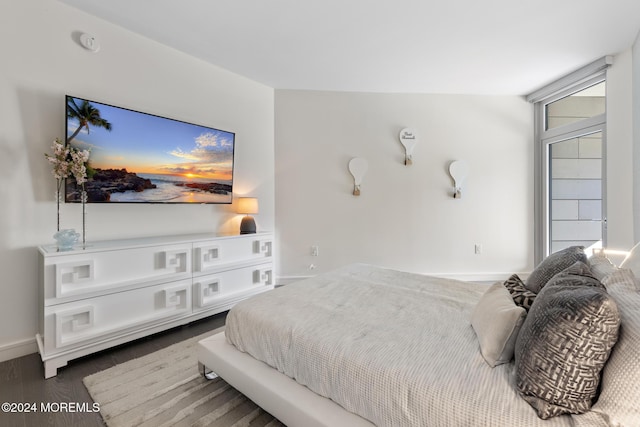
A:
{"points": [[22, 379]]}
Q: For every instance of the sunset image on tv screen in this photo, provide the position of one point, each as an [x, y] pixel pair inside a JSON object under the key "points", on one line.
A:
{"points": [[142, 158]]}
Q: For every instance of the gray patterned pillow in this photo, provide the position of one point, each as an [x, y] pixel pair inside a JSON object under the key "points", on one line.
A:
{"points": [[564, 343], [579, 273], [554, 264], [619, 400], [521, 295]]}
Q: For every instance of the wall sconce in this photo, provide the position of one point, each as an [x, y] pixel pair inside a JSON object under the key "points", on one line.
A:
{"points": [[458, 170], [358, 168], [247, 206], [408, 138]]}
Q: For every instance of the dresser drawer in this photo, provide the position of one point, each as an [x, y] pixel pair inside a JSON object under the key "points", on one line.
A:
{"points": [[74, 276], [215, 290], [81, 322], [212, 255]]}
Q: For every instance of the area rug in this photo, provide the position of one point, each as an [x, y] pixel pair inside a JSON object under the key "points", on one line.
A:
{"points": [[164, 388]]}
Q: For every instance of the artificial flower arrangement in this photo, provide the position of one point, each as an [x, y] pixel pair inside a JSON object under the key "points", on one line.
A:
{"points": [[68, 161]]}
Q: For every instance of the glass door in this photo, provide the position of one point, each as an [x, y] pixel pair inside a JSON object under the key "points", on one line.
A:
{"points": [[575, 191]]}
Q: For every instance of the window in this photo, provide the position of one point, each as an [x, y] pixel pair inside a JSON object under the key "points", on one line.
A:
{"points": [[588, 102], [570, 120]]}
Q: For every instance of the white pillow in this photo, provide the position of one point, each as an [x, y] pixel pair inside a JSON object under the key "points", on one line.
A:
{"points": [[601, 266], [497, 320], [632, 260], [622, 280]]}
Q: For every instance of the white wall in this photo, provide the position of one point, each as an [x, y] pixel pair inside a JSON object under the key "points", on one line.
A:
{"points": [[619, 152], [406, 216], [635, 86], [41, 62]]}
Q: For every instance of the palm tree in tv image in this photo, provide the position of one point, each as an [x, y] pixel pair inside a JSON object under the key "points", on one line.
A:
{"points": [[87, 115]]}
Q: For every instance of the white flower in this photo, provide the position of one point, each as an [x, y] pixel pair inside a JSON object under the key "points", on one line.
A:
{"points": [[78, 168], [61, 167], [68, 161]]}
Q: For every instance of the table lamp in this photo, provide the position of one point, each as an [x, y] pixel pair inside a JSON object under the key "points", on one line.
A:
{"points": [[247, 206]]}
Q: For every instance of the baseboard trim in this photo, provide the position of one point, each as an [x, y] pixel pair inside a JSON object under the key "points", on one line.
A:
{"points": [[286, 280], [465, 277], [478, 277], [18, 349]]}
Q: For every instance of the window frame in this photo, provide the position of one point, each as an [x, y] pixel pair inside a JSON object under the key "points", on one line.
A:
{"points": [[583, 78]]}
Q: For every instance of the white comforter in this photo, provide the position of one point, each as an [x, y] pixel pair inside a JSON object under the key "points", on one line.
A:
{"points": [[395, 348]]}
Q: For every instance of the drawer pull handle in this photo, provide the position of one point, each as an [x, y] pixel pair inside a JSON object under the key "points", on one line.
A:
{"points": [[76, 273], [211, 254], [211, 289], [207, 256], [71, 322], [263, 276], [207, 292], [176, 261], [175, 297], [263, 247]]}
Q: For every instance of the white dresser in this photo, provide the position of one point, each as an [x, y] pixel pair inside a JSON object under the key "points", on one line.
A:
{"points": [[116, 291]]}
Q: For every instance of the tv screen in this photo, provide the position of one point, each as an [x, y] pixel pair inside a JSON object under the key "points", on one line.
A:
{"points": [[137, 157]]}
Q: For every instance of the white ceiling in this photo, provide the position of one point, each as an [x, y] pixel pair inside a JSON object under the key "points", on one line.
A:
{"points": [[509, 47]]}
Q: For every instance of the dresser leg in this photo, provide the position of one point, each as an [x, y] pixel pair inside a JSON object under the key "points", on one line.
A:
{"points": [[51, 367]]}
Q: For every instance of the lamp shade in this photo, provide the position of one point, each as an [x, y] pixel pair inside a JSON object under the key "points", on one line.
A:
{"points": [[247, 205]]}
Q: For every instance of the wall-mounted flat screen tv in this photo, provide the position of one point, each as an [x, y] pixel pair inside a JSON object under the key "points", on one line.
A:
{"points": [[137, 157]]}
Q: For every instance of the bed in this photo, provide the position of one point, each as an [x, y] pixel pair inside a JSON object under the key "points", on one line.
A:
{"points": [[364, 346]]}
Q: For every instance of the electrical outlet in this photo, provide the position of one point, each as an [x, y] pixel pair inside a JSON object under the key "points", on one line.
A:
{"points": [[478, 248]]}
